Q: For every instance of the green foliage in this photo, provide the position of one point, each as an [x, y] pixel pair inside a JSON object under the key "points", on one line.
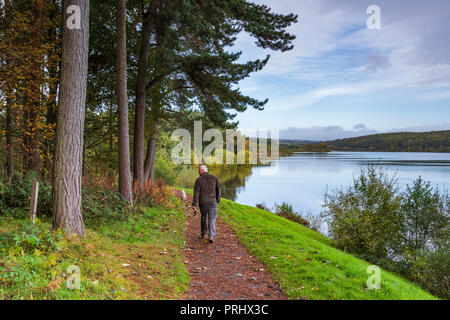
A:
{"points": [[435, 273], [434, 141], [137, 240], [317, 147], [405, 232], [365, 218], [99, 205], [28, 243], [30, 238], [165, 168], [423, 217], [15, 195], [285, 210]]}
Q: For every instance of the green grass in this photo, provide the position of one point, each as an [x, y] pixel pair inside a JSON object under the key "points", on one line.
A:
{"points": [[305, 263], [150, 243]]}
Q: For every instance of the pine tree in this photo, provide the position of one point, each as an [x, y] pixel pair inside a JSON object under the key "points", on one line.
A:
{"points": [[70, 124]]}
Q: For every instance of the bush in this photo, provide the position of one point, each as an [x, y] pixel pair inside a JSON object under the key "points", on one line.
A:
{"points": [[365, 218], [101, 202], [262, 206], [285, 210], [408, 233], [30, 238], [164, 167], [153, 193], [436, 277], [102, 205], [423, 218], [15, 195]]}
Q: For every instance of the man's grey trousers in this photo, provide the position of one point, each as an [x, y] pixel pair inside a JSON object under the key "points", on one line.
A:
{"points": [[208, 219]]}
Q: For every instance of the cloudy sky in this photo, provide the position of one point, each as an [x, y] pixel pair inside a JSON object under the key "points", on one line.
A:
{"points": [[342, 79]]}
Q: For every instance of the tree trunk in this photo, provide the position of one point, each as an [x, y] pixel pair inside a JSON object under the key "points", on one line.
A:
{"points": [[141, 97], [70, 123], [122, 97], [149, 168], [9, 139]]}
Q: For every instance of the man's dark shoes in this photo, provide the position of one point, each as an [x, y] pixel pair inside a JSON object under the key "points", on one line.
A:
{"points": [[211, 240]]}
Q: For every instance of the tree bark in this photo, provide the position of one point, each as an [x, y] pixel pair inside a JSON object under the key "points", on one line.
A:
{"points": [[122, 97], [141, 97], [149, 167], [10, 122], [68, 161]]}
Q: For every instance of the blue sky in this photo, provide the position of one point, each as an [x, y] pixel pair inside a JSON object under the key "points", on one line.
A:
{"points": [[343, 80]]}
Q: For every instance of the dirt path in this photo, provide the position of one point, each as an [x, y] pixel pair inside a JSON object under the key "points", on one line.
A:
{"points": [[224, 269]]}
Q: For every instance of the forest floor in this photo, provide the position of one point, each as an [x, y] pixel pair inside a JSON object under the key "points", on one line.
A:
{"points": [[223, 269], [140, 257]]}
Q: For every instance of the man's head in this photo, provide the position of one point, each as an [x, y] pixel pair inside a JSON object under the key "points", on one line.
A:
{"points": [[202, 169]]}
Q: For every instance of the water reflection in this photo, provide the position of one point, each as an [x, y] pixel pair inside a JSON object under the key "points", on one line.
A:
{"points": [[302, 179]]}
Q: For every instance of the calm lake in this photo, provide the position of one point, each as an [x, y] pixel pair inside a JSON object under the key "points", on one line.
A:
{"points": [[301, 180]]}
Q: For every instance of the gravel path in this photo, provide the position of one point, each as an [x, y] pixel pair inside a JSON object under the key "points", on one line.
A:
{"points": [[223, 270]]}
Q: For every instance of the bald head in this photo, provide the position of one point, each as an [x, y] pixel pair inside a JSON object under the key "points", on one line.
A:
{"points": [[202, 169]]}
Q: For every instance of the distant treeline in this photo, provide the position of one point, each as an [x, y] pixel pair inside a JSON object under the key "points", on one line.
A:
{"points": [[434, 141]]}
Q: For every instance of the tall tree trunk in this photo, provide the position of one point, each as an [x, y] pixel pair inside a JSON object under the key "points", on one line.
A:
{"points": [[141, 97], [122, 102], [10, 122], [149, 167], [70, 124]]}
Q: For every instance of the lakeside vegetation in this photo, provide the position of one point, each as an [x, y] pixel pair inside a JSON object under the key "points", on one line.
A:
{"points": [[306, 263], [407, 232], [433, 141]]}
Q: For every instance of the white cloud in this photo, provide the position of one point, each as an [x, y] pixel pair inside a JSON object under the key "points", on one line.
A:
{"points": [[408, 51]]}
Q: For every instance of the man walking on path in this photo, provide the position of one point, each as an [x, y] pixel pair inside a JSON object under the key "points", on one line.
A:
{"points": [[206, 196]]}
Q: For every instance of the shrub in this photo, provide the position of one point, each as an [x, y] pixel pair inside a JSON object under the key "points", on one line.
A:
{"points": [[408, 233], [262, 206], [423, 217], [153, 193], [15, 195], [164, 167], [30, 238], [436, 277], [365, 218], [102, 205], [101, 202], [285, 210]]}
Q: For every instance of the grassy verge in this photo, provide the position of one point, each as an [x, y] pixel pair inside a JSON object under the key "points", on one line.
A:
{"points": [[305, 263], [139, 258]]}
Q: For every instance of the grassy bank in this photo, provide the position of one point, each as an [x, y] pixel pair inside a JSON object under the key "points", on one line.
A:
{"points": [[138, 258], [305, 263]]}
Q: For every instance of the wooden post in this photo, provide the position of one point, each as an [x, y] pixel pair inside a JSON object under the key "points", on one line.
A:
{"points": [[34, 199]]}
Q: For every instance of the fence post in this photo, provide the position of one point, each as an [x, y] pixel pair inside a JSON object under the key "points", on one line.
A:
{"points": [[34, 199]]}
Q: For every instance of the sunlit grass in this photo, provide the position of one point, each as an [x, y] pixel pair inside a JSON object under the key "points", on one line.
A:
{"points": [[305, 263], [140, 258]]}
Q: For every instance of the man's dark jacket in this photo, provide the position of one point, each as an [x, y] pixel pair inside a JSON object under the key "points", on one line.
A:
{"points": [[206, 190]]}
